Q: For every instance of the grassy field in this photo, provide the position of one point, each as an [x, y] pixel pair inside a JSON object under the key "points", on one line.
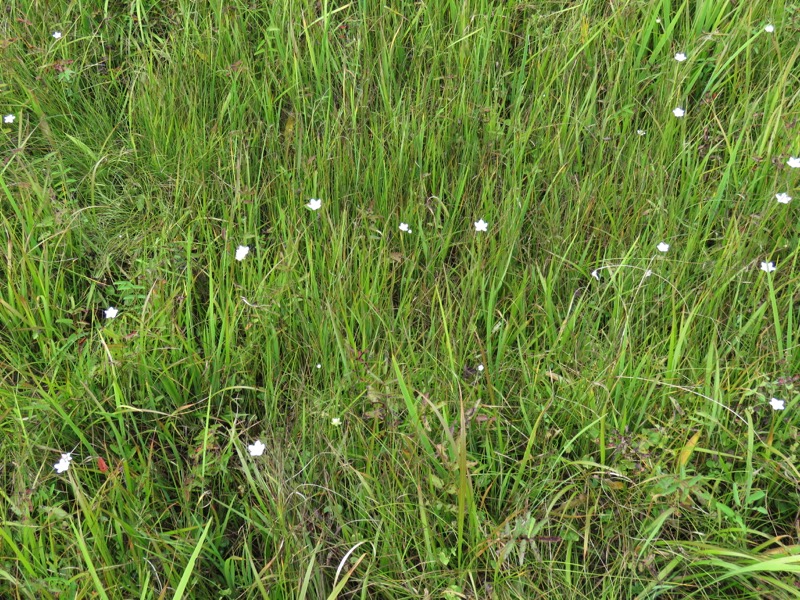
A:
{"points": [[538, 338]]}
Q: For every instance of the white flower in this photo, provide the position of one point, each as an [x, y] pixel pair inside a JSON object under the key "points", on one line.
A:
{"points": [[481, 225], [794, 162], [783, 198], [480, 367], [663, 247], [680, 57], [777, 404], [596, 274], [640, 132], [336, 421], [648, 273], [257, 448], [319, 365], [768, 267], [9, 119], [62, 465], [769, 28], [241, 252], [314, 204], [405, 227], [678, 112], [111, 312], [57, 35]]}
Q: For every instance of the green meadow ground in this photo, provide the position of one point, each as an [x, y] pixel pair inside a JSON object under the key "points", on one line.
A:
{"points": [[552, 408]]}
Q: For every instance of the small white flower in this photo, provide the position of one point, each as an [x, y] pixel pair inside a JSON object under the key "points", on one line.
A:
{"points": [[680, 57], [241, 252], [783, 198], [640, 132], [57, 35], [319, 365], [257, 448], [794, 162], [481, 225], [678, 112], [314, 204], [658, 20], [777, 404], [9, 118], [663, 247], [769, 28], [480, 367], [648, 273], [111, 312], [768, 267], [596, 274], [405, 227], [63, 464], [336, 421]]}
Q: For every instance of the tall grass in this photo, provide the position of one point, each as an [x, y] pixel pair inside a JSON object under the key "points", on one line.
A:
{"points": [[553, 407]]}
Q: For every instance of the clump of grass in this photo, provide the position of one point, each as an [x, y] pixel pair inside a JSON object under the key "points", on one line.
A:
{"points": [[519, 393]]}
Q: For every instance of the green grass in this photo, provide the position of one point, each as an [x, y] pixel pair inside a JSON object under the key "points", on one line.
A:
{"points": [[619, 441]]}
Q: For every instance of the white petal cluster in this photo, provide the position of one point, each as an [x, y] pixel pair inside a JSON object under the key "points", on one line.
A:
{"points": [[62, 466], [241, 252], [256, 448]]}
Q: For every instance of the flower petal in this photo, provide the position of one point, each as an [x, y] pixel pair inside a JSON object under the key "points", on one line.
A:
{"points": [[241, 252]]}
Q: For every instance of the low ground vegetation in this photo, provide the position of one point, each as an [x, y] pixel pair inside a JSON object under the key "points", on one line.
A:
{"points": [[314, 299]]}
